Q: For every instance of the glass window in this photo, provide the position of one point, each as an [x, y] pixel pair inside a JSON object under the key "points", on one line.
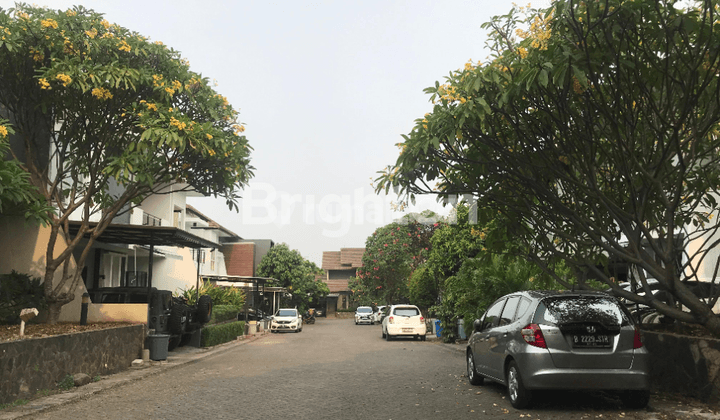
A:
{"points": [[522, 308], [508, 314], [574, 309], [406, 312], [492, 316]]}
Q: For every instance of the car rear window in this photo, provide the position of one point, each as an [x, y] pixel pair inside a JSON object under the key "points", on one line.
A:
{"points": [[574, 309], [406, 312], [364, 310]]}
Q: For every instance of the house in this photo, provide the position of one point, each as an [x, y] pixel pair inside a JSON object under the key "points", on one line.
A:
{"points": [[340, 267]]}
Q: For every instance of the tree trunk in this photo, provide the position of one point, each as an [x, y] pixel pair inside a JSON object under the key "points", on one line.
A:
{"points": [[54, 312]]}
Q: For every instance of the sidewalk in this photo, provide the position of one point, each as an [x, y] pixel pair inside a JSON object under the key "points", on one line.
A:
{"points": [[662, 406], [177, 357]]}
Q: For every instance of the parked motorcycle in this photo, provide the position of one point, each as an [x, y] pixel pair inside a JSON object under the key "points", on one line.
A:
{"points": [[309, 316]]}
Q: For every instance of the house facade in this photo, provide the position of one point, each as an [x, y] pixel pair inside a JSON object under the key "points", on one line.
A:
{"points": [[340, 267]]}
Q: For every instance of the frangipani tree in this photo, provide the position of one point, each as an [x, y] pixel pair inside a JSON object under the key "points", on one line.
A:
{"points": [[104, 118], [592, 134]]}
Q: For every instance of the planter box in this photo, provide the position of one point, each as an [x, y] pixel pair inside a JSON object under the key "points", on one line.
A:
{"points": [[684, 365], [34, 364]]}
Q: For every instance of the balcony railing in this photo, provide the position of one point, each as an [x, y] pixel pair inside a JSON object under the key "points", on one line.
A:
{"points": [[150, 220]]}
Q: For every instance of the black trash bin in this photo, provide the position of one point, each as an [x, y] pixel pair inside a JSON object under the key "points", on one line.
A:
{"points": [[158, 346]]}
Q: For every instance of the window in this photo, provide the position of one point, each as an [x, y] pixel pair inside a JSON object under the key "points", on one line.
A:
{"points": [[492, 316], [508, 314], [406, 312]]}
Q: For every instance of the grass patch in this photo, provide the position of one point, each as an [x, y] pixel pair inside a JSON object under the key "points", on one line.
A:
{"points": [[67, 383], [15, 403]]}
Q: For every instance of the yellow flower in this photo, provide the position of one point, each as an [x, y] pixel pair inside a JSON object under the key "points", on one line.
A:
{"points": [[101, 93], [105, 24], [48, 23], [22, 15], [3, 131], [176, 84], [92, 33], [209, 136], [64, 78], [124, 46], [170, 90], [44, 84], [238, 129], [152, 107], [71, 13], [522, 52]]}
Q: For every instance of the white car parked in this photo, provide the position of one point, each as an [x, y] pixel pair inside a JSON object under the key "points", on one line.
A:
{"points": [[380, 313], [286, 320], [364, 315], [403, 321]]}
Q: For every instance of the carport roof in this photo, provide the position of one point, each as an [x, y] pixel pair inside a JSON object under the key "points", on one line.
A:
{"points": [[147, 235]]}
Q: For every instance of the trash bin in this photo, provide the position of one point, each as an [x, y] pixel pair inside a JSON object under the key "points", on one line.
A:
{"points": [[438, 328], [461, 329], [158, 345]]}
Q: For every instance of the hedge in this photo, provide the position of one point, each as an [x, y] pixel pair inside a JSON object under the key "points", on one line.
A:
{"points": [[213, 335], [222, 313]]}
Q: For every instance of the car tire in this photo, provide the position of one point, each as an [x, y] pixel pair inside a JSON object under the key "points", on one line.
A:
{"points": [[383, 333], [173, 342], [473, 376], [635, 399], [423, 338], [520, 397], [176, 323], [388, 337], [204, 309]]}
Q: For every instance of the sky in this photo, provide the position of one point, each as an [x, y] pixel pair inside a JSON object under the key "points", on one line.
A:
{"points": [[325, 89]]}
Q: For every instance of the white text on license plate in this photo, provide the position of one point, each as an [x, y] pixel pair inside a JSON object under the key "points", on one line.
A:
{"points": [[407, 330]]}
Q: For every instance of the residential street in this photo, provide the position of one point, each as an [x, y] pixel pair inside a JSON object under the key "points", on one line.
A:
{"points": [[331, 370]]}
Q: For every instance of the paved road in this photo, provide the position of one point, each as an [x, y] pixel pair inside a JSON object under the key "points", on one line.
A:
{"points": [[331, 370]]}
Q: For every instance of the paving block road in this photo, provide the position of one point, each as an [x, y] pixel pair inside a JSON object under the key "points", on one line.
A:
{"points": [[331, 370]]}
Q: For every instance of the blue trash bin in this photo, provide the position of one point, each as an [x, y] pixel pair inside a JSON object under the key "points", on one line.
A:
{"points": [[438, 328]]}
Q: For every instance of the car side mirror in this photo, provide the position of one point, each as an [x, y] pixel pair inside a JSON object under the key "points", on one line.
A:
{"points": [[477, 325]]}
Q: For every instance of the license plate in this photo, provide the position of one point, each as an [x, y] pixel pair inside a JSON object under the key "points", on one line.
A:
{"points": [[407, 330], [597, 340]]}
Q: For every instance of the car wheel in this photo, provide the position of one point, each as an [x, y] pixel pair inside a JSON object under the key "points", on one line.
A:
{"points": [[474, 377], [178, 319], [173, 342], [423, 338], [204, 309], [383, 333], [388, 337], [519, 396], [635, 399]]}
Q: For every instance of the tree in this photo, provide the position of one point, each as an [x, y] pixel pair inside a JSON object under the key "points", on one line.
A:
{"points": [[392, 253], [17, 194], [295, 273], [103, 118], [591, 136], [450, 245]]}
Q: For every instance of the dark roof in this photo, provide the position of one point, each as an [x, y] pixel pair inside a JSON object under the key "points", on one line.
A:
{"points": [[345, 259], [147, 235]]}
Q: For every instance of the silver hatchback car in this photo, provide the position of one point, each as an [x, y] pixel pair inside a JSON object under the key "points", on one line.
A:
{"points": [[559, 340]]}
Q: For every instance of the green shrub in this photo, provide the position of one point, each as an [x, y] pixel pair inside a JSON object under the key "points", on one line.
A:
{"points": [[66, 383], [222, 313], [19, 291], [213, 335], [220, 295]]}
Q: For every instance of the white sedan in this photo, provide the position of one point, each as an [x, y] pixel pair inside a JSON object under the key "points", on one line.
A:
{"points": [[364, 315], [404, 321], [286, 320]]}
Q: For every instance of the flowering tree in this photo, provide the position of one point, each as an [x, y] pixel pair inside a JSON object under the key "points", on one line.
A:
{"points": [[391, 255], [592, 135], [104, 118], [295, 273]]}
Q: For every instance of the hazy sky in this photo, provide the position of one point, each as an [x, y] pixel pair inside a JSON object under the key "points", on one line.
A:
{"points": [[325, 88]]}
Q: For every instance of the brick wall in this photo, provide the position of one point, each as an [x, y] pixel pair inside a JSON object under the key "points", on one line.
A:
{"points": [[239, 259]]}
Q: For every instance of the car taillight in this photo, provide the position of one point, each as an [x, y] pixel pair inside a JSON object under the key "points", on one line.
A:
{"points": [[638, 340], [390, 320], [533, 335], [422, 319]]}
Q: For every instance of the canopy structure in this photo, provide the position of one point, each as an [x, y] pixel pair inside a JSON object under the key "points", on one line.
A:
{"points": [[117, 233]]}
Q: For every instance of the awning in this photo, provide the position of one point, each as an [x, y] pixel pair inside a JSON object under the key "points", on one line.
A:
{"points": [[147, 235]]}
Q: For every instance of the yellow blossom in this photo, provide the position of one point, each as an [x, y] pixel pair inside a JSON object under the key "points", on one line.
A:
{"points": [[124, 46], [92, 33], [44, 84], [101, 93], [3, 131], [64, 78], [522, 52], [49, 23], [209, 136], [105, 24], [70, 13], [152, 107]]}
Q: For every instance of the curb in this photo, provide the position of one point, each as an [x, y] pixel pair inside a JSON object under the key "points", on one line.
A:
{"points": [[128, 376]]}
